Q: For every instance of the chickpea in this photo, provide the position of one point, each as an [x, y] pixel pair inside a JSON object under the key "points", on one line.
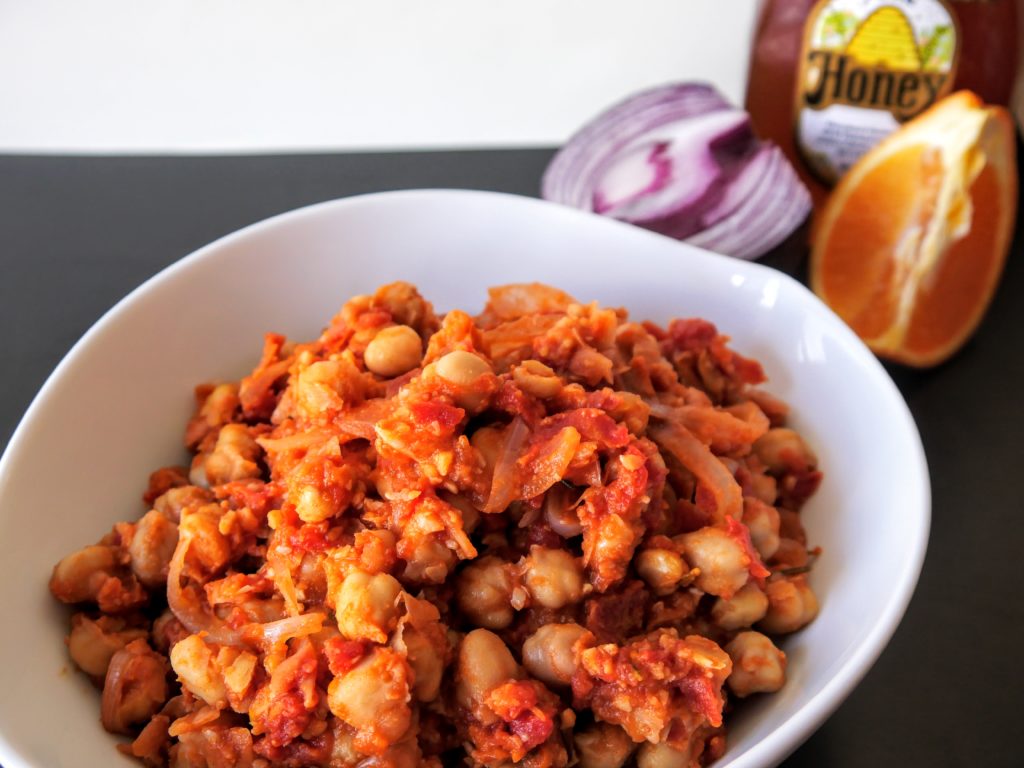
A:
{"points": [[548, 653], [721, 559], [195, 665], [210, 745], [430, 561], [424, 657], [484, 661], [233, 457], [462, 368], [662, 569], [537, 379], [217, 409], [662, 755], [373, 696], [757, 665], [91, 647], [367, 606], [238, 669], [79, 576], [744, 608], [763, 522], [311, 578], [172, 503], [220, 405], [465, 371], [343, 749], [791, 605], [553, 577], [314, 505], [484, 592], [405, 754], [135, 687], [470, 514], [394, 351], [603, 745], [207, 547], [784, 450], [152, 547], [323, 386]]}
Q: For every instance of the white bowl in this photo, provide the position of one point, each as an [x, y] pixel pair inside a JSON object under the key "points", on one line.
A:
{"points": [[115, 408]]}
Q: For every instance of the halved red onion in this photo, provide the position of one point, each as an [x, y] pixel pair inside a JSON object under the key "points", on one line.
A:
{"points": [[681, 161]]}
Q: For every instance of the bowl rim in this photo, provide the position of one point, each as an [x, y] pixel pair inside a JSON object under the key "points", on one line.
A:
{"points": [[807, 717]]}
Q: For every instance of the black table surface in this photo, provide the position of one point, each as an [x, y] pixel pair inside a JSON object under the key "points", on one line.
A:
{"points": [[77, 233]]}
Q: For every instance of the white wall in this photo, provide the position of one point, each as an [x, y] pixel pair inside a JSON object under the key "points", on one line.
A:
{"points": [[245, 75]]}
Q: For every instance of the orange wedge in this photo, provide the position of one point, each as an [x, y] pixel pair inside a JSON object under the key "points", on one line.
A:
{"points": [[909, 247]]}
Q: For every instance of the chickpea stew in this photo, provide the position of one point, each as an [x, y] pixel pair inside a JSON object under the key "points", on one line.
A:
{"points": [[543, 536]]}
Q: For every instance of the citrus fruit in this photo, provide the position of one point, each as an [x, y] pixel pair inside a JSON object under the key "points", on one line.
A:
{"points": [[909, 247]]}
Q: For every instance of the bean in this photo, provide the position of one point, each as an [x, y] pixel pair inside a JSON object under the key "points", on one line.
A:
{"points": [[791, 605], [747, 606], [548, 653], [462, 368], [763, 522], [152, 547], [79, 576], [662, 569], [537, 379], [553, 577], [484, 662], [721, 559], [195, 665], [91, 647], [784, 450], [373, 696], [757, 665], [394, 351], [484, 592], [134, 689], [366, 606], [662, 755], [603, 745]]}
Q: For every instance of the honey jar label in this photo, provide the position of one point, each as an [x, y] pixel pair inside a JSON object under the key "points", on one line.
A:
{"points": [[867, 66]]}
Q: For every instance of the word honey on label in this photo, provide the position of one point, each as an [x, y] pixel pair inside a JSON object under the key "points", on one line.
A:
{"points": [[866, 67]]}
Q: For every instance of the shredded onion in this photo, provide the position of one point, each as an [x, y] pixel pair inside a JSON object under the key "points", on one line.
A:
{"points": [[187, 608], [560, 513], [284, 629], [505, 480], [283, 581], [723, 430], [681, 161], [551, 463], [689, 451]]}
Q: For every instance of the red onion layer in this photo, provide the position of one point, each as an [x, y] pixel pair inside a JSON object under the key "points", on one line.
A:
{"points": [[681, 161]]}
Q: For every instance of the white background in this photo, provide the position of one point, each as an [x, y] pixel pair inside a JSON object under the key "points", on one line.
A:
{"points": [[255, 75]]}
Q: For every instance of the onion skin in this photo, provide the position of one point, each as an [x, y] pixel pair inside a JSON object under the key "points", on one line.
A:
{"points": [[681, 161]]}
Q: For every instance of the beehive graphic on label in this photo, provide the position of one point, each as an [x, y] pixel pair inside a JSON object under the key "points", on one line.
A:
{"points": [[885, 39]]}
